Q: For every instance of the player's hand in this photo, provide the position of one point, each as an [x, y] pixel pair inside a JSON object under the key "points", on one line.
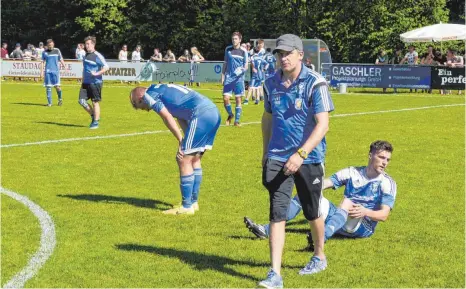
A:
{"points": [[357, 211], [293, 164], [254, 70], [94, 73], [41, 74], [179, 153]]}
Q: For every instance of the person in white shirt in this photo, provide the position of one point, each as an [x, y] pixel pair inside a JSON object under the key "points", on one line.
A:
{"points": [[136, 55], [40, 50], [123, 55]]}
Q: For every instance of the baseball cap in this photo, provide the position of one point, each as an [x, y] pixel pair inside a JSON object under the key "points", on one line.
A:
{"points": [[289, 42], [18, 44]]}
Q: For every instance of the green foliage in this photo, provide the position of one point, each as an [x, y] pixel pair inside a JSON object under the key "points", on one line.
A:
{"points": [[354, 30]]}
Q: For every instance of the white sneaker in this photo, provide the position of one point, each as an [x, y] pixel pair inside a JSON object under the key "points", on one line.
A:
{"points": [[179, 211]]}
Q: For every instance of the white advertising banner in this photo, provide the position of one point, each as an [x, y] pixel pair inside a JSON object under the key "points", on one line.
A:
{"points": [[20, 68], [123, 70], [127, 71]]}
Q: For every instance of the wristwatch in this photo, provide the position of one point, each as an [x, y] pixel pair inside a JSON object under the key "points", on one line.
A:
{"points": [[302, 153]]}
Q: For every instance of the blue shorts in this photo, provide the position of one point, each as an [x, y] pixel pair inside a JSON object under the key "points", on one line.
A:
{"points": [[200, 133], [52, 79], [255, 83], [236, 87]]}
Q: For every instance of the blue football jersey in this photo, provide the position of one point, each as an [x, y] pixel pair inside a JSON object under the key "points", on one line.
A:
{"points": [[52, 59], [371, 193], [235, 61], [259, 64], [182, 102], [93, 62], [293, 111], [272, 62]]}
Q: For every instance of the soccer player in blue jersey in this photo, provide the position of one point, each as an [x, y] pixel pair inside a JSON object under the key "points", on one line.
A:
{"points": [[369, 197], [199, 119], [234, 66], [296, 118], [94, 66], [51, 71], [258, 66], [271, 61]]}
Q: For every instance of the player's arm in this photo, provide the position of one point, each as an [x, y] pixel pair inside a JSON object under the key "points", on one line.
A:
{"points": [[328, 184], [170, 122], [403, 60], [103, 64], [61, 60], [359, 211], [224, 67], [266, 125]]}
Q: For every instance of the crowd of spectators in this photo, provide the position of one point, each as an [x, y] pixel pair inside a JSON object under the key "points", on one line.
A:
{"points": [[432, 57], [136, 56]]}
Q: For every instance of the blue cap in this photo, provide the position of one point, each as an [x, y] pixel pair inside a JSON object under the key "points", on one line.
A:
{"points": [[18, 44]]}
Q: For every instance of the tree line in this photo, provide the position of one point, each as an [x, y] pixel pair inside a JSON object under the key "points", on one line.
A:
{"points": [[354, 30]]}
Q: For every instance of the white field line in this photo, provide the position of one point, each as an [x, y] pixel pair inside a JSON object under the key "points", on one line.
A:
{"points": [[246, 123], [47, 241]]}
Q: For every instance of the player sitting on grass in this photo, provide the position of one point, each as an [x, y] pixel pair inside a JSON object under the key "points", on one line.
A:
{"points": [[368, 198], [199, 119]]}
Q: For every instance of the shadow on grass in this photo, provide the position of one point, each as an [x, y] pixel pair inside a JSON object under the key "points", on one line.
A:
{"points": [[29, 103], [201, 261], [142, 203], [60, 124], [243, 237]]}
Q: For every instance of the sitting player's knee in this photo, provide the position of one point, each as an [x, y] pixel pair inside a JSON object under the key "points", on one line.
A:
{"points": [[352, 225], [83, 103]]}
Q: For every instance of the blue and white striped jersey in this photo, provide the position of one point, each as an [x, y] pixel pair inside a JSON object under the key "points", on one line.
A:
{"points": [[52, 59], [235, 61], [182, 102], [93, 62], [371, 193], [293, 110]]}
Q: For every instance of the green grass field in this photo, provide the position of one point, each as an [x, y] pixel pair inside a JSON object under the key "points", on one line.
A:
{"points": [[106, 196]]}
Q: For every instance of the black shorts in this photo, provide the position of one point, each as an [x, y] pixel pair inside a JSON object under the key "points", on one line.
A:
{"points": [[92, 91], [308, 180]]}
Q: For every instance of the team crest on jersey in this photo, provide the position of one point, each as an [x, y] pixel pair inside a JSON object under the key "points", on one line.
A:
{"points": [[301, 88], [298, 103], [374, 187]]}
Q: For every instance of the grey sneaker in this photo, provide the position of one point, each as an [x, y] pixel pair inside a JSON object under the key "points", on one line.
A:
{"points": [[314, 266], [273, 280]]}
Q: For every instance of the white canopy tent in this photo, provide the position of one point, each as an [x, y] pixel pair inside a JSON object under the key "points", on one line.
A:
{"points": [[436, 33]]}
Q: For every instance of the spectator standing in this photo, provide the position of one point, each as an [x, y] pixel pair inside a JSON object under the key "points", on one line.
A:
{"points": [[157, 56], [197, 57], [17, 53], [309, 64], [4, 51], [186, 57], [136, 55], [411, 58], [27, 53], [169, 57], [382, 59], [80, 52], [40, 50], [454, 61], [123, 55]]}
